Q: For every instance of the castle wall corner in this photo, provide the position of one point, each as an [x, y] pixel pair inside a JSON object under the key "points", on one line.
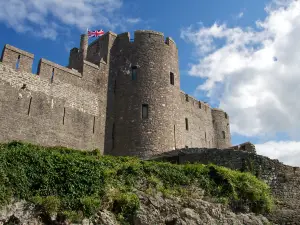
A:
{"points": [[18, 59]]}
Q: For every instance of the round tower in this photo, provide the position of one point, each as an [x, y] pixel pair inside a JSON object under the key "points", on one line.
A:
{"points": [[221, 128], [147, 94]]}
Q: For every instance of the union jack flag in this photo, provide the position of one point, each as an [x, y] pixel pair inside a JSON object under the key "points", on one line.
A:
{"points": [[96, 33]]}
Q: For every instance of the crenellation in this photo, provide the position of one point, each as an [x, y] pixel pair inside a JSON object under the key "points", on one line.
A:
{"points": [[118, 95], [18, 59]]}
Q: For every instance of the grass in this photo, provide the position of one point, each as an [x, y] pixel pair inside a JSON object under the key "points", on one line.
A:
{"points": [[76, 183]]}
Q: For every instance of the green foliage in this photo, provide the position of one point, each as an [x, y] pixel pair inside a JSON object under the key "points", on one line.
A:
{"points": [[76, 182], [50, 204]]}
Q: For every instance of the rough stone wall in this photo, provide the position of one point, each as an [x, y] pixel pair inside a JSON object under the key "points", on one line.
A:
{"points": [[221, 128], [284, 180], [10, 57], [103, 70], [66, 110], [154, 60], [200, 131]]}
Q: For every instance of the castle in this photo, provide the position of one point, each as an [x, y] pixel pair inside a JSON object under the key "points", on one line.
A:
{"points": [[119, 95]]}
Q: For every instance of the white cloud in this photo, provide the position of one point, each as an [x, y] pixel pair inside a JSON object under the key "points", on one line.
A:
{"points": [[48, 17], [133, 20], [254, 73], [240, 15], [287, 152]]}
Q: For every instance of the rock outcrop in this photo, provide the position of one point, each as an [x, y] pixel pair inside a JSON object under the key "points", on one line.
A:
{"points": [[154, 209]]}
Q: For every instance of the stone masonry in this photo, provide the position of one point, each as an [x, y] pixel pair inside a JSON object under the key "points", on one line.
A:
{"points": [[119, 95]]}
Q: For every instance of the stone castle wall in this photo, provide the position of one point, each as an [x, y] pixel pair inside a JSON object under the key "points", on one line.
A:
{"points": [[96, 92], [57, 106], [284, 180]]}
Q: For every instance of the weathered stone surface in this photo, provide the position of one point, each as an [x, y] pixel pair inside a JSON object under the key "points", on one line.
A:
{"points": [[284, 180], [153, 210], [94, 103]]}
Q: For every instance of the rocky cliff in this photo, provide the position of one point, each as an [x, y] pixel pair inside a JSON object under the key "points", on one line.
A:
{"points": [[284, 180]]}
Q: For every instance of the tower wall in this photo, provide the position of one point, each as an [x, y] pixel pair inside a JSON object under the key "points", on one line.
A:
{"points": [[154, 59], [221, 128], [200, 132]]}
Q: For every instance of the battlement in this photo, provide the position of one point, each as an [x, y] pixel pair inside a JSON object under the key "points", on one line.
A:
{"points": [[21, 61], [197, 104], [141, 36]]}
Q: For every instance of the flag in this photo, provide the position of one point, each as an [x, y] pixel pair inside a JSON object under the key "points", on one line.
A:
{"points": [[96, 33]]}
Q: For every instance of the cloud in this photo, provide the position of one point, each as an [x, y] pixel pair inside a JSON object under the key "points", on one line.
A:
{"points": [[287, 152], [253, 73], [47, 18], [133, 20], [240, 15]]}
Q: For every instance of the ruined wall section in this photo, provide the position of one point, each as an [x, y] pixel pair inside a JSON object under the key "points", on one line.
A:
{"points": [[284, 180], [63, 109], [200, 132], [153, 59], [221, 128], [17, 58]]}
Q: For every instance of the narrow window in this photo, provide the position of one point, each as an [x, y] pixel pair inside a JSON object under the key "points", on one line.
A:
{"points": [[172, 78], [18, 62], [186, 97], [226, 116], [186, 124], [113, 135], [205, 136], [133, 73], [52, 76], [64, 116], [29, 106], [115, 86], [94, 124], [223, 133], [199, 105], [145, 111]]}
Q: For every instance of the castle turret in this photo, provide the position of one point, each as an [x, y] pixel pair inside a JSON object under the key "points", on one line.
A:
{"points": [[221, 128], [146, 94], [84, 43]]}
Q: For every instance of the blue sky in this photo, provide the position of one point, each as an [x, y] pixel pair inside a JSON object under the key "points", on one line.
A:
{"points": [[226, 52]]}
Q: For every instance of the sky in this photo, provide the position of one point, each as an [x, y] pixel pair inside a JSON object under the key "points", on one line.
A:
{"points": [[239, 55]]}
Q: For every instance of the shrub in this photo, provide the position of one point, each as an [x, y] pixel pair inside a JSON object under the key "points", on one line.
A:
{"points": [[66, 180]]}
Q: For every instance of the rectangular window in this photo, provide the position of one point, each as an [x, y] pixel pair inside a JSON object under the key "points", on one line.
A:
{"points": [[186, 124], [113, 135], [145, 111], [18, 62], [186, 97], [172, 78], [199, 105], [52, 75], [133, 73], [226, 116]]}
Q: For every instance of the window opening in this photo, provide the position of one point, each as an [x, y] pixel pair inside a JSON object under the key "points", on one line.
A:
{"points": [[186, 97], [186, 124], [52, 75], [145, 111], [113, 136], [133, 73], [172, 78], [64, 116], [223, 133], [18, 62], [94, 124], [199, 105]]}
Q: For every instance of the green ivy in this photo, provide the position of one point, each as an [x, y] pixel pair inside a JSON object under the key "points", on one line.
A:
{"points": [[74, 182]]}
